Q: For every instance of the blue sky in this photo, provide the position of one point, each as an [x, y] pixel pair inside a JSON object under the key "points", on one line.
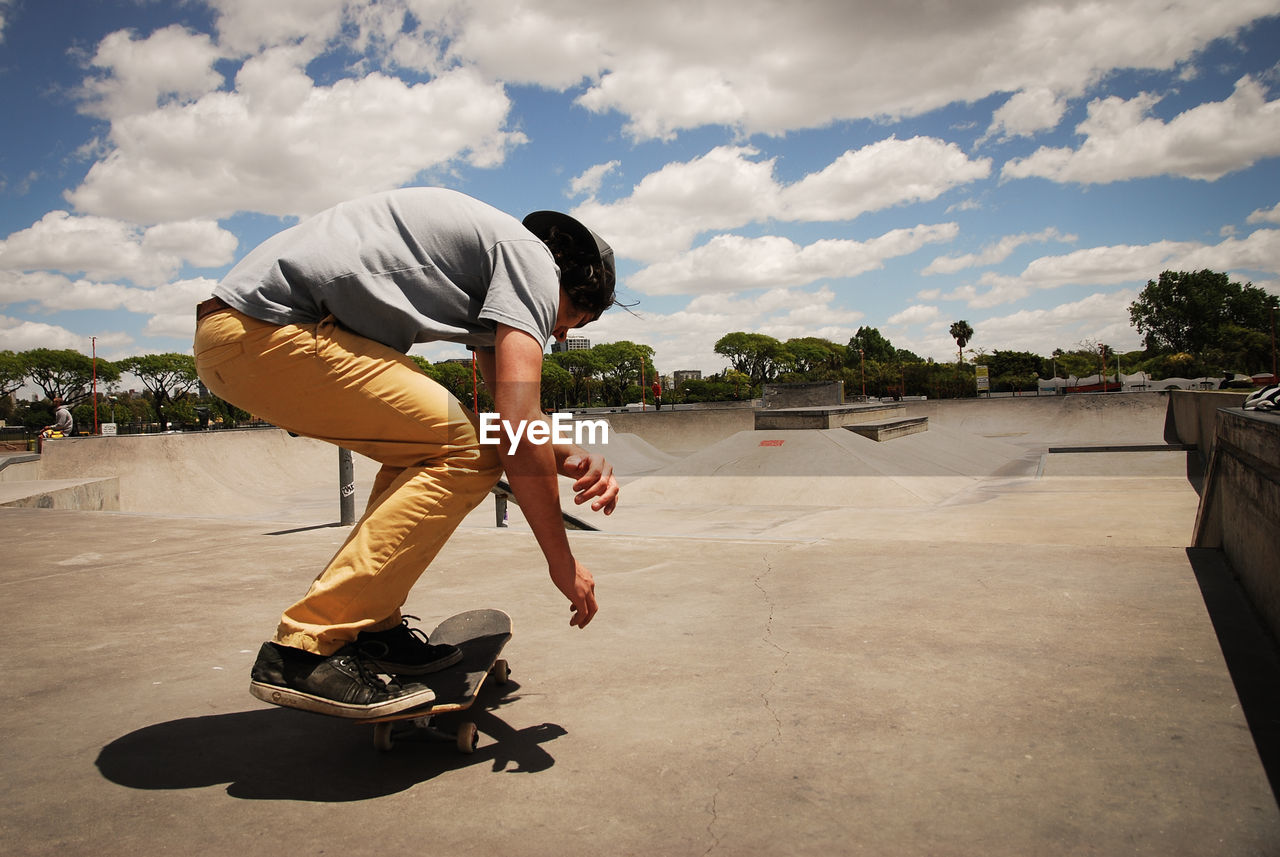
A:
{"points": [[797, 169]]}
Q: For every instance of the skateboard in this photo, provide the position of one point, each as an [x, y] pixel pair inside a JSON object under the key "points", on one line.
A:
{"points": [[481, 634]]}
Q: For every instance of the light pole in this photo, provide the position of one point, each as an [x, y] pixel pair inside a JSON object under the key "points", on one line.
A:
{"points": [[1273, 345], [94, 341], [862, 361]]}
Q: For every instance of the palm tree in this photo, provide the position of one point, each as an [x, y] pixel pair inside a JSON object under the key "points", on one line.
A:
{"points": [[961, 332]]}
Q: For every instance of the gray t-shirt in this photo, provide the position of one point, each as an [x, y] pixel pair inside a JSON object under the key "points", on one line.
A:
{"points": [[62, 420], [404, 266]]}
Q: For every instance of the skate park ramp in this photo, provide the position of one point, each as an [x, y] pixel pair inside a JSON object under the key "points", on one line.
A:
{"points": [[262, 474], [984, 466], [692, 473]]}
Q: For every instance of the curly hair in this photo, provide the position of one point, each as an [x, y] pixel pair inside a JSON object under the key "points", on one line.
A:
{"points": [[589, 284]]}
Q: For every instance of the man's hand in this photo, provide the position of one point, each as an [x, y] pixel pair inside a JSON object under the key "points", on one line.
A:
{"points": [[593, 478], [577, 584]]}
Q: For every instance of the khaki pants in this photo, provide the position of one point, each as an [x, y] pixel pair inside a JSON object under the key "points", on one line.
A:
{"points": [[325, 382]]}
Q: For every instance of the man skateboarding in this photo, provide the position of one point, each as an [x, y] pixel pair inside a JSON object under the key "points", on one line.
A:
{"points": [[310, 332]]}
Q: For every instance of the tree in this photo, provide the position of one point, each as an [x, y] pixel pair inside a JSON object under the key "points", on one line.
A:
{"points": [[582, 366], [458, 379], [1015, 370], [13, 374], [961, 332], [873, 346], [65, 373], [556, 385], [716, 388], [1194, 312], [813, 358], [620, 365], [1240, 349], [168, 377], [755, 355]]}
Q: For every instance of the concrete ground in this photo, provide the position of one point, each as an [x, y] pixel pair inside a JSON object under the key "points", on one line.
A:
{"points": [[966, 645]]}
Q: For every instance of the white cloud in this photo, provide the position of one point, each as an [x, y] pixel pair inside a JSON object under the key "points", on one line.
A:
{"points": [[732, 263], [724, 189], [1266, 215], [589, 181], [761, 65], [683, 69], [669, 208], [555, 44], [883, 174], [280, 144], [918, 314], [1026, 113], [1127, 263], [103, 249], [170, 64], [4, 16], [246, 26], [23, 335], [1125, 141], [1101, 317], [993, 253], [55, 293]]}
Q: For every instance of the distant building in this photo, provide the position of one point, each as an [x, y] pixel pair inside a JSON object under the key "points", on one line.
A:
{"points": [[681, 375], [571, 343]]}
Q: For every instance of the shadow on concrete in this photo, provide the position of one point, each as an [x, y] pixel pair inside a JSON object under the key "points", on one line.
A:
{"points": [[1251, 653], [1196, 472], [308, 529], [282, 754]]}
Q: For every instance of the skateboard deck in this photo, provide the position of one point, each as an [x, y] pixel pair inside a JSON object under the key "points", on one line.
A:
{"points": [[481, 634]]}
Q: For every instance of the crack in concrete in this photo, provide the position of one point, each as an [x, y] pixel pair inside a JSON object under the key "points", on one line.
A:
{"points": [[765, 699]]}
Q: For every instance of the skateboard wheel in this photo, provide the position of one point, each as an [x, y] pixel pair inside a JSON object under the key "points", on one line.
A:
{"points": [[382, 736], [501, 671], [468, 737]]}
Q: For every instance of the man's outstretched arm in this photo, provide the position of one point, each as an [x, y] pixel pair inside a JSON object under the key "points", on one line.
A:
{"points": [[513, 373]]}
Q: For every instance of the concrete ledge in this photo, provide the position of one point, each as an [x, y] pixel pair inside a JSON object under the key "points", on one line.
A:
{"points": [[1127, 447], [1240, 508], [90, 495], [891, 429], [813, 394], [836, 416], [1192, 415], [19, 467]]}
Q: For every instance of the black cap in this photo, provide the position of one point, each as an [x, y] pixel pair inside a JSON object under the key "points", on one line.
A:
{"points": [[540, 223]]}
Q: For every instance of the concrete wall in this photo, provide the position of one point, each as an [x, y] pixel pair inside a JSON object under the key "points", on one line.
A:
{"points": [[1240, 507], [1192, 417], [803, 395], [1085, 418]]}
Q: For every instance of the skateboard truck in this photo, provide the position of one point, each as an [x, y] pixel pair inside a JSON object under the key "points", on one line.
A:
{"points": [[466, 737]]}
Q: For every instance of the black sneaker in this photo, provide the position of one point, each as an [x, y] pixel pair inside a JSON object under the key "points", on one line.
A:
{"points": [[344, 684], [405, 651]]}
